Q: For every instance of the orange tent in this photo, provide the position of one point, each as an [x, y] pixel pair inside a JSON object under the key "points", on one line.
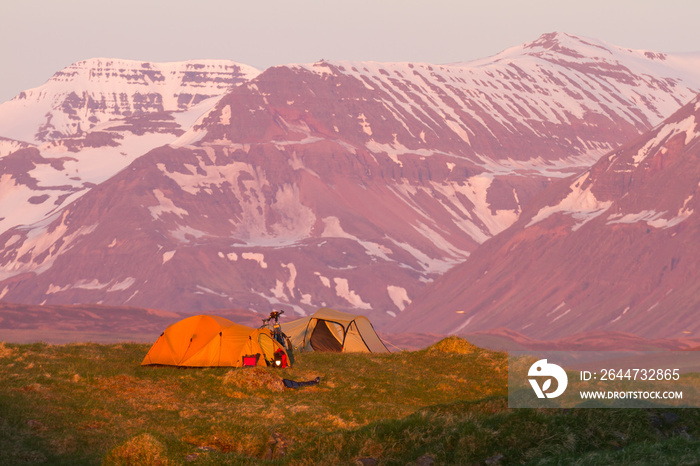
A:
{"points": [[211, 341]]}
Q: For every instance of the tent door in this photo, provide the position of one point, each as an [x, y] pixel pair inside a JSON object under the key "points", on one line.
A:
{"points": [[322, 338]]}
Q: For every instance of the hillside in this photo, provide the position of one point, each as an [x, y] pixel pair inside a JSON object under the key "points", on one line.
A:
{"points": [[94, 404], [58, 324], [611, 249]]}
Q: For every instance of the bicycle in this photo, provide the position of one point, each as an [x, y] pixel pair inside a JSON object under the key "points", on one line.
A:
{"points": [[277, 333]]}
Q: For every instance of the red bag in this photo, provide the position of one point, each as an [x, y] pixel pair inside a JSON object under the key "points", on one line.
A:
{"points": [[250, 360]]}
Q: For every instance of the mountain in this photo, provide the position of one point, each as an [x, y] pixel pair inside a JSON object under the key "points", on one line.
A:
{"points": [[346, 184], [613, 249], [86, 94], [91, 120]]}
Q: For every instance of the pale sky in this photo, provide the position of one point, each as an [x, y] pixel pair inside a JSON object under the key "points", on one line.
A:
{"points": [[40, 37]]}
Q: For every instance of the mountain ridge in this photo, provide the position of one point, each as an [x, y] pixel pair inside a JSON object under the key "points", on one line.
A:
{"points": [[108, 88]]}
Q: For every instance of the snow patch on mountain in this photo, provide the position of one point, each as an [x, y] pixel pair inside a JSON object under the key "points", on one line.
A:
{"points": [[653, 218], [256, 257], [687, 126], [430, 265], [186, 234], [248, 185], [93, 284], [399, 296], [232, 256], [580, 203], [205, 290], [561, 168], [342, 289], [8, 146], [324, 280], [165, 206], [332, 229], [291, 283], [39, 246], [476, 189], [366, 128], [167, 255]]}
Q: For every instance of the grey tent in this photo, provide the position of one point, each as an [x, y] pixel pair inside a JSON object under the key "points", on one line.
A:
{"points": [[331, 330]]}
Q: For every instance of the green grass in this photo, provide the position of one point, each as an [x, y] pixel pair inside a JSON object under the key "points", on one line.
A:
{"points": [[94, 404]]}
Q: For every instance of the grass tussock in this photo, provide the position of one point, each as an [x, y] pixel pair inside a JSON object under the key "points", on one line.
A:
{"points": [[254, 445], [254, 378], [453, 344], [5, 351], [142, 449]]}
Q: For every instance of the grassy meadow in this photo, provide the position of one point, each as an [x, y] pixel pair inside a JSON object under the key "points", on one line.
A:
{"points": [[94, 404]]}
